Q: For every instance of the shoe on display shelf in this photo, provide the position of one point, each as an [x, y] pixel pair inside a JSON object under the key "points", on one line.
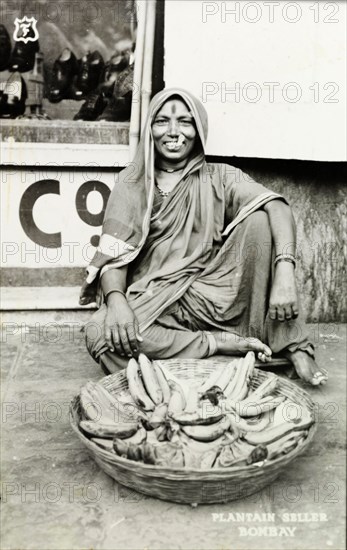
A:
{"points": [[23, 56], [64, 71], [118, 109], [92, 107], [90, 69], [118, 63]]}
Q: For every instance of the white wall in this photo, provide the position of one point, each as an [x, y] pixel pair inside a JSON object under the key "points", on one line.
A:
{"points": [[295, 50]]}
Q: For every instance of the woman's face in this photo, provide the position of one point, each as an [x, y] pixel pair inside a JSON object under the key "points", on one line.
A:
{"points": [[174, 131]]}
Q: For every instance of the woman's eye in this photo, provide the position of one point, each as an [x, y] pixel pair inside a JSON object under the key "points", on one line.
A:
{"points": [[186, 122], [160, 122]]}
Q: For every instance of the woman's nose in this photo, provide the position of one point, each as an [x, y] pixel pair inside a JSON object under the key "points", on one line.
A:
{"points": [[173, 129]]}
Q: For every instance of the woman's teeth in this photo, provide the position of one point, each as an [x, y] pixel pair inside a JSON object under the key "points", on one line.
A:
{"points": [[173, 145]]}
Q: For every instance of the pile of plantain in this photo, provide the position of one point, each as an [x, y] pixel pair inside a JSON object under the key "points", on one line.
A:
{"points": [[178, 423]]}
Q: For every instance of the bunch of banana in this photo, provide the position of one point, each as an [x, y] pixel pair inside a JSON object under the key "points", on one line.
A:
{"points": [[104, 416], [285, 444], [122, 446], [238, 387], [281, 425], [99, 404], [179, 423], [221, 377], [148, 449], [147, 384]]}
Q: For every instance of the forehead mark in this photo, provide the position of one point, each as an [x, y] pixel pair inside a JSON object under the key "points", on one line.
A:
{"points": [[173, 107]]}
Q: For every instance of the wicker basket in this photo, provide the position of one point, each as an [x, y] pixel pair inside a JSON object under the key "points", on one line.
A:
{"points": [[192, 486]]}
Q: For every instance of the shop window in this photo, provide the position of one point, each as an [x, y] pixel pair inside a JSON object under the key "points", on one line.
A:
{"points": [[66, 71]]}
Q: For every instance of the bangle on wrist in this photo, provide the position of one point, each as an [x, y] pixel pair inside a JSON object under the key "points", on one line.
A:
{"points": [[114, 290], [285, 258]]}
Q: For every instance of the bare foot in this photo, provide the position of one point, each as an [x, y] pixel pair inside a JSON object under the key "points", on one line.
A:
{"points": [[232, 344], [306, 367]]}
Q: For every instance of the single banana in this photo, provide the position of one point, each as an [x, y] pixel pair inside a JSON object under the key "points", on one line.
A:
{"points": [[165, 388], [248, 409], [169, 375], [285, 444], [136, 388], [243, 375], [250, 361], [90, 408], [105, 402], [208, 432], [199, 417], [240, 388], [266, 388], [109, 430], [150, 379], [177, 401], [104, 395], [249, 365], [234, 380], [293, 413], [227, 375], [250, 426], [277, 431]]}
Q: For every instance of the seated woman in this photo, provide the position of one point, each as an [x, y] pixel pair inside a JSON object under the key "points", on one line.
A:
{"points": [[195, 259]]}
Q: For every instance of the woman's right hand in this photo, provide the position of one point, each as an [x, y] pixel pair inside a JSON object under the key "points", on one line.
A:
{"points": [[122, 332]]}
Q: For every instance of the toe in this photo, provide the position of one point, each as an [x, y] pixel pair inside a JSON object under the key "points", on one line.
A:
{"points": [[318, 378]]}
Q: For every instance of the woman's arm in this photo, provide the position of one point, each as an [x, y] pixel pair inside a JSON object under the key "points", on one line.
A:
{"points": [[121, 326], [283, 297], [113, 280]]}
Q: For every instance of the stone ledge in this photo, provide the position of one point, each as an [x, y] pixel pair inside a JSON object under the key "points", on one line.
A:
{"points": [[39, 298], [64, 131]]}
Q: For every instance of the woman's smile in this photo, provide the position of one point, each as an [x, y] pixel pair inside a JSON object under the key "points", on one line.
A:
{"points": [[176, 144]]}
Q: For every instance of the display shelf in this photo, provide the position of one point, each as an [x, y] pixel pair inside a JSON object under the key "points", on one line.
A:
{"points": [[66, 143]]}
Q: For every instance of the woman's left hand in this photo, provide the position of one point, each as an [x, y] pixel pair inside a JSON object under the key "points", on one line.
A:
{"points": [[283, 297]]}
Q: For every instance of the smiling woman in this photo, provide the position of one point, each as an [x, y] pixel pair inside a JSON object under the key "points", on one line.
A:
{"points": [[195, 259]]}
